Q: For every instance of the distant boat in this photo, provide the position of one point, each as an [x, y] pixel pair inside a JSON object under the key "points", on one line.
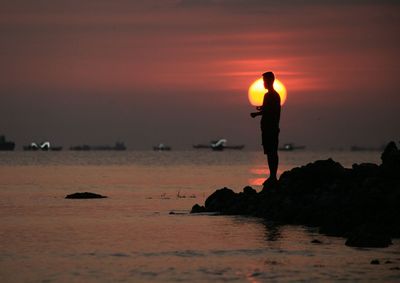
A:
{"points": [[362, 148], [218, 145], [6, 145], [291, 146], [85, 147], [44, 146], [161, 147]]}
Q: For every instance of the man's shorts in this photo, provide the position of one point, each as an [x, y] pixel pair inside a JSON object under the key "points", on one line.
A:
{"points": [[270, 140]]}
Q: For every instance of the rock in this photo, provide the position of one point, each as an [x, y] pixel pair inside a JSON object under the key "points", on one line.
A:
{"points": [[220, 200], [332, 229], [391, 161], [361, 203], [85, 195], [249, 191], [375, 261], [367, 237], [390, 154], [309, 178], [365, 170], [198, 209]]}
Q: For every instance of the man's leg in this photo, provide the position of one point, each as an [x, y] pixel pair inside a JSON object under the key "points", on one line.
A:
{"points": [[273, 161]]}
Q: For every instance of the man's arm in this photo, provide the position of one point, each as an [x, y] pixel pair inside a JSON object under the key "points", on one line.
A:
{"points": [[255, 114]]}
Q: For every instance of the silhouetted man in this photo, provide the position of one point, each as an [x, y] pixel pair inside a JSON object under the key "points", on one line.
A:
{"points": [[270, 113]]}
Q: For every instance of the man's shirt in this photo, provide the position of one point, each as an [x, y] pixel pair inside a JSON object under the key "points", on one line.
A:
{"points": [[271, 111]]}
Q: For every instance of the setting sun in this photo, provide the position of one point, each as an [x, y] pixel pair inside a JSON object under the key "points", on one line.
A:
{"points": [[257, 91]]}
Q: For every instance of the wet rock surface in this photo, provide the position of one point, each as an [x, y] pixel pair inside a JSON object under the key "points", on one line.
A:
{"points": [[375, 261], [84, 195], [363, 237], [361, 203]]}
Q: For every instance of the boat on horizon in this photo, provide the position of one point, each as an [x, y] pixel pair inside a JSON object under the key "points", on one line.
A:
{"points": [[291, 146], [43, 146], [218, 145], [6, 145], [118, 146], [364, 148], [161, 147]]}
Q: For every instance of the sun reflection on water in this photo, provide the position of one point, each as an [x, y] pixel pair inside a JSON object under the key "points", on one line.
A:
{"points": [[259, 175]]}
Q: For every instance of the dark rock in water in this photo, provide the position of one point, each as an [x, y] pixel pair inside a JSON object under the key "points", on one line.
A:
{"points": [[221, 200], [388, 262], [228, 202], [375, 261], [391, 154], [366, 237], [249, 191], [320, 170], [315, 241], [85, 195], [198, 209], [391, 161], [310, 178], [365, 170], [361, 203], [335, 229], [369, 241]]}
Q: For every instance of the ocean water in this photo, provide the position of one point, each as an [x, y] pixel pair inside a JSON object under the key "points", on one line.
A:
{"points": [[132, 237]]}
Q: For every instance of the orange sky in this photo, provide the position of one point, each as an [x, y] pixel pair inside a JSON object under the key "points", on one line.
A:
{"points": [[148, 71]]}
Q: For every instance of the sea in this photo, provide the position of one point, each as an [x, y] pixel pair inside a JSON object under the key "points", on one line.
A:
{"points": [[144, 232]]}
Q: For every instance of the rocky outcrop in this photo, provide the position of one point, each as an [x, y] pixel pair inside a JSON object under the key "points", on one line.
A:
{"points": [[361, 203], [368, 237], [85, 195]]}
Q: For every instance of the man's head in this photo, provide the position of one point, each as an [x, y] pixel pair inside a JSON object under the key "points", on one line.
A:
{"points": [[269, 79]]}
